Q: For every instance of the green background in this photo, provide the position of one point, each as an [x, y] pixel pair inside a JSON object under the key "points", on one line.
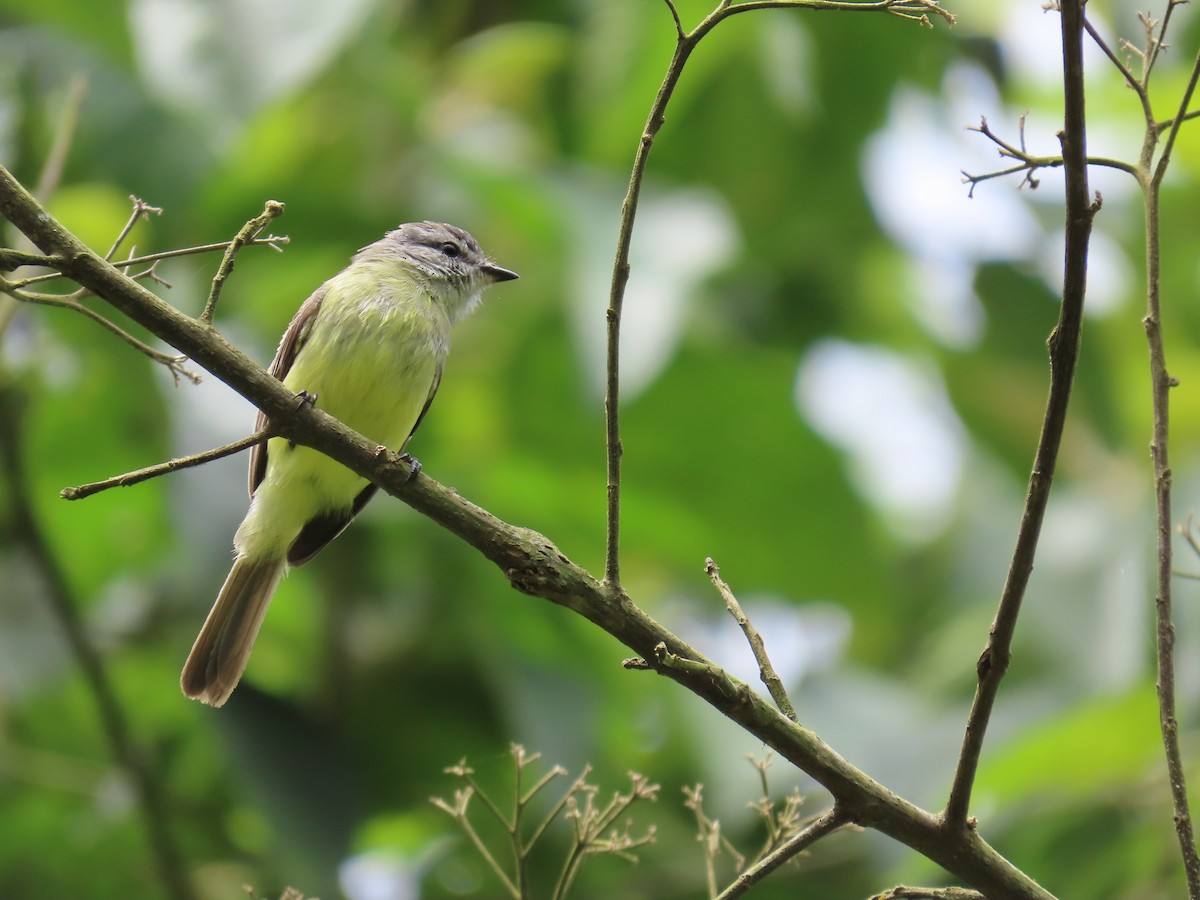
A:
{"points": [[835, 370]]}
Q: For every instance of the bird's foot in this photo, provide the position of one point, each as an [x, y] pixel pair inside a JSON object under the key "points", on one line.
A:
{"points": [[304, 398], [414, 466]]}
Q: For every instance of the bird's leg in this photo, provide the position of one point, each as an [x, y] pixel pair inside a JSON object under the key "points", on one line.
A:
{"points": [[414, 464], [304, 398]]}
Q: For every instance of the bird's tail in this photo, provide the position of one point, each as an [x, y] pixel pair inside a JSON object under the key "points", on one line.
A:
{"points": [[222, 649]]}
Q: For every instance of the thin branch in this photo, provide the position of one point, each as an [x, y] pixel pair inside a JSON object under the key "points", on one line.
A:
{"points": [[127, 754], [165, 468], [1064, 353], [914, 10], [765, 669], [685, 43], [1027, 162], [825, 824], [1169, 123], [273, 241], [1160, 170], [273, 209], [174, 363], [1156, 43], [1161, 383], [141, 210], [1130, 79]]}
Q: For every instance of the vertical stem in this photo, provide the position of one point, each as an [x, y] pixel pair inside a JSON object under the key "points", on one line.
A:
{"points": [[1064, 353], [1161, 383], [620, 278]]}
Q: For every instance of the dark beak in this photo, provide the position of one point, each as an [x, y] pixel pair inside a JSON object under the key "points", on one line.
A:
{"points": [[497, 273]]}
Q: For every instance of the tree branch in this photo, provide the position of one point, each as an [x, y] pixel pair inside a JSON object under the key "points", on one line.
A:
{"points": [[165, 468], [531, 563], [1161, 383], [685, 43], [825, 824], [1064, 354], [765, 669], [246, 235]]}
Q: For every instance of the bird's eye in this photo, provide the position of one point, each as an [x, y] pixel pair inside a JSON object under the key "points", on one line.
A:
{"points": [[451, 249]]}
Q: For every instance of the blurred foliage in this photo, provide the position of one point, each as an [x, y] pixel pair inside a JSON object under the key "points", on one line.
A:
{"points": [[835, 375]]}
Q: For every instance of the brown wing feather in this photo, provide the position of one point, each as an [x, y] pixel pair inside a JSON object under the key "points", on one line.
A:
{"points": [[289, 345]]}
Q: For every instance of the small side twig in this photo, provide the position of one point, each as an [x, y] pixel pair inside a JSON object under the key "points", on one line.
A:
{"points": [[823, 825], [173, 363], [141, 210], [165, 468], [273, 209], [765, 669], [272, 240], [1027, 162]]}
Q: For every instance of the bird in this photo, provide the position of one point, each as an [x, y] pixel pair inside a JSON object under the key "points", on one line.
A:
{"points": [[368, 347]]}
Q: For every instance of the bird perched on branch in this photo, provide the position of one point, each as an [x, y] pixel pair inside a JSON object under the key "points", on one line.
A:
{"points": [[368, 347]]}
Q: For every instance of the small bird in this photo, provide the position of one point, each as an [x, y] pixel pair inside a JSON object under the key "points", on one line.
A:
{"points": [[368, 347]]}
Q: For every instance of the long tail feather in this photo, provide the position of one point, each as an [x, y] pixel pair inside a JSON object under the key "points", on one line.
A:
{"points": [[222, 649]]}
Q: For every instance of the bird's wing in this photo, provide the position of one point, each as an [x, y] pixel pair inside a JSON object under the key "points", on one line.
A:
{"points": [[289, 346]]}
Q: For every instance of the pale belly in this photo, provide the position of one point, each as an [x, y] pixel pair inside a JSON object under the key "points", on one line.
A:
{"points": [[372, 368]]}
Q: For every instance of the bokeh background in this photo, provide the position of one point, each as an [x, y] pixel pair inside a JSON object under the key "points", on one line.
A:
{"points": [[834, 371]]}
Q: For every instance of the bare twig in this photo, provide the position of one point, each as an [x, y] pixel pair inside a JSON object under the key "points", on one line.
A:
{"points": [[13, 259], [273, 241], [593, 826], [685, 43], [823, 825], [1064, 354], [173, 363], [272, 210], [141, 210], [765, 669], [1028, 162], [1161, 383], [171, 465]]}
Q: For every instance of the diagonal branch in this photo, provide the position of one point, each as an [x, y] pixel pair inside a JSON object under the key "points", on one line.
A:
{"points": [[766, 670], [825, 824], [273, 209], [165, 468], [1064, 354], [173, 363]]}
